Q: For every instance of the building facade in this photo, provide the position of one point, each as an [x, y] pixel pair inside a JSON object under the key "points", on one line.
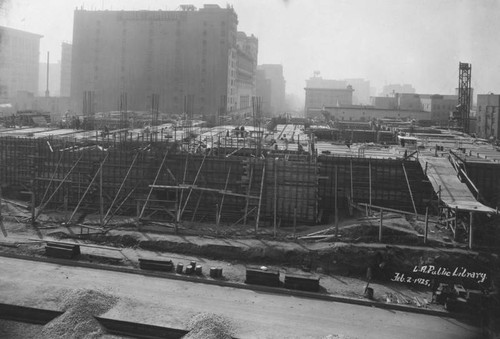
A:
{"points": [[389, 90], [276, 96], [19, 62], [322, 93], [182, 62], [488, 116], [264, 91], [439, 106], [361, 94], [366, 113], [66, 50]]}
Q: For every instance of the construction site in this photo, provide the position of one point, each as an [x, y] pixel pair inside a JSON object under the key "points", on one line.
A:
{"points": [[290, 194], [234, 223]]}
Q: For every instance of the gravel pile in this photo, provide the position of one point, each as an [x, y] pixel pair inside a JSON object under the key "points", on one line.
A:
{"points": [[209, 326], [77, 321]]}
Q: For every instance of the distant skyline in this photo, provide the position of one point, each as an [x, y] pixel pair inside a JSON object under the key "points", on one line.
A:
{"points": [[384, 41]]}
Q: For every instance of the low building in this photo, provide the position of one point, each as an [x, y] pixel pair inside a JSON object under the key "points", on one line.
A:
{"points": [[322, 93], [368, 113], [488, 116]]}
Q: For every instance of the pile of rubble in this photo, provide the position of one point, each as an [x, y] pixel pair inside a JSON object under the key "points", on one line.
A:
{"points": [[209, 326], [77, 321]]}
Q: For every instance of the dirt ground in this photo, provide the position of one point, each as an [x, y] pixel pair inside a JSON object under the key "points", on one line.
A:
{"points": [[232, 248]]}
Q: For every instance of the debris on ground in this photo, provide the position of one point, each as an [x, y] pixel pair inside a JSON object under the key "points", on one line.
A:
{"points": [[209, 326], [78, 321]]}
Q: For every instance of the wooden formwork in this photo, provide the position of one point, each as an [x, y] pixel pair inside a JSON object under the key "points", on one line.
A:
{"points": [[485, 177], [373, 181], [289, 189], [17, 160]]}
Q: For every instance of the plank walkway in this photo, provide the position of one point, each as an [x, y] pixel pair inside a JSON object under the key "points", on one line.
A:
{"points": [[453, 192]]}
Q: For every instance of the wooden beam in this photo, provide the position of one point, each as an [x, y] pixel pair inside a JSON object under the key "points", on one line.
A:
{"points": [[426, 230], [380, 226], [248, 193], [151, 190], [87, 190], [122, 184], [260, 198], [223, 195], [216, 190], [40, 210], [409, 189], [194, 183]]}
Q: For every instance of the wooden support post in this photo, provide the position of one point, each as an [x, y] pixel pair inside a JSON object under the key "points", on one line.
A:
{"points": [[380, 227], [426, 230], [42, 207], [86, 191], [52, 177], [336, 204], [456, 222], [1, 217], [370, 180], [409, 189], [471, 216], [151, 189], [217, 218], [275, 197], [352, 185], [194, 183], [182, 191], [33, 201], [224, 194], [294, 220], [121, 186], [106, 222], [248, 193], [101, 200], [260, 197]]}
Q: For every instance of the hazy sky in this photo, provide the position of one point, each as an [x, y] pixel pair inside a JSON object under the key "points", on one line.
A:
{"points": [[384, 41]]}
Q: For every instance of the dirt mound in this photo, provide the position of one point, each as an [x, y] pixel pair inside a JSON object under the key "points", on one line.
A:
{"points": [[77, 321], [209, 326]]}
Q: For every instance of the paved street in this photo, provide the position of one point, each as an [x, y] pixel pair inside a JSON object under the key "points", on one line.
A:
{"points": [[171, 303]]}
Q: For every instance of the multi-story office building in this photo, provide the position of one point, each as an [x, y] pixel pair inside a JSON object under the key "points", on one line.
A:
{"points": [[276, 97], [245, 77], [66, 50], [19, 58], [488, 116], [188, 61]]}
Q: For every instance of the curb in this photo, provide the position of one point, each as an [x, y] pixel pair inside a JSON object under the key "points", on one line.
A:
{"points": [[274, 290]]}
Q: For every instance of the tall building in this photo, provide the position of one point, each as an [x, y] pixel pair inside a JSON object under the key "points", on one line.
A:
{"points": [[276, 97], [322, 93], [264, 91], [66, 50], [488, 116], [19, 58], [187, 61], [245, 77]]}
